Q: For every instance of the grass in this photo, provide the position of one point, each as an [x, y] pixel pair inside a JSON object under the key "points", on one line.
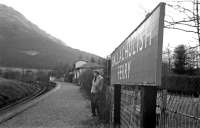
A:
{"points": [[93, 122], [11, 91]]}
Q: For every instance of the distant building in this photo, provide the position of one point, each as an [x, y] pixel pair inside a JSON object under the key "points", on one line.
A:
{"points": [[92, 66], [82, 65], [77, 70]]}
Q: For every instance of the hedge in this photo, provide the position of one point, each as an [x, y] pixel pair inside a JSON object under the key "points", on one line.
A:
{"points": [[182, 84], [85, 81]]}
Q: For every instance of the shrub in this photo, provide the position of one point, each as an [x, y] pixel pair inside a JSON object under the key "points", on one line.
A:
{"points": [[85, 80], [1, 72], [42, 76], [189, 85], [12, 90], [29, 77], [9, 74]]}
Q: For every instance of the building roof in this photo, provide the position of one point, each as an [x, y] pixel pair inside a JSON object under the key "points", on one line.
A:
{"points": [[91, 65], [78, 60], [79, 63]]}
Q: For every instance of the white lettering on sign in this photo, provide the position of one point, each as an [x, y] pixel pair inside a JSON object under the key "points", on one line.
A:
{"points": [[138, 59], [132, 45], [123, 71]]}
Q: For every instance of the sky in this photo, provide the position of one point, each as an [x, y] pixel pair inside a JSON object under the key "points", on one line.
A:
{"points": [[95, 26]]}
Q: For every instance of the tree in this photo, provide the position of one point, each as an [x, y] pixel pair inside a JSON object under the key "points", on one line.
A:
{"points": [[99, 61], [192, 60], [189, 13], [180, 57], [61, 69], [80, 57], [167, 58], [92, 60]]}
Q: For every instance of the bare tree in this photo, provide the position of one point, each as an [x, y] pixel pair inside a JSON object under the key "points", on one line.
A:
{"points": [[188, 10], [168, 55], [192, 57]]}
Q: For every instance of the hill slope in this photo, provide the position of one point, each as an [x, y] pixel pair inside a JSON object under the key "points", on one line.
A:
{"points": [[23, 44]]}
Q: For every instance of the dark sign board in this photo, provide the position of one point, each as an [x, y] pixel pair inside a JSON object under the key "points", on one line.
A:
{"points": [[137, 61]]}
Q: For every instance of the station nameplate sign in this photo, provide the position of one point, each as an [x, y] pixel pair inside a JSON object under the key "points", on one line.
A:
{"points": [[137, 61]]}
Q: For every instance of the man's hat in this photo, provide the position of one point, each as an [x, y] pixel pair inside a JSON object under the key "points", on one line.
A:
{"points": [[100, 72], [96, 71]]}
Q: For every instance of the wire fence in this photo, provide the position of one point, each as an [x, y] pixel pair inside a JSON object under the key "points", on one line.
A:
{"points": [[178, 98], [178, 101], [177, 111]]}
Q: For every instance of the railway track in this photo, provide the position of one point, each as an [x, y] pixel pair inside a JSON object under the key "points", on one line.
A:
{"points": [[23, 100]]}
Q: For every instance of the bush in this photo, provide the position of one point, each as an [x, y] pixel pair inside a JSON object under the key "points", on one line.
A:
{"points": [[85, 81], [189, 85], [105, 103], [29, 77], [42, 76], [9, 74], [1, 72], [12, 91]]}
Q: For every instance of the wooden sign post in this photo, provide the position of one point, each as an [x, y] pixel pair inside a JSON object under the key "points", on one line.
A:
{"points": [[117, 102], [148, 107], [137, 61]]}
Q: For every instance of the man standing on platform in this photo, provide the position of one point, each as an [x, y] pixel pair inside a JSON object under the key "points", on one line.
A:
{"points": [[97, 86]]}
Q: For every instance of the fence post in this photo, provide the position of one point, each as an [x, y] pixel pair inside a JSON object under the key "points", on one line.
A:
{"points": [[148, 107], [117, 102], [163, 108]]}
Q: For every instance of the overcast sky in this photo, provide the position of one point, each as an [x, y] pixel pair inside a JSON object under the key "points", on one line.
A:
{"points": [[95, 26]]}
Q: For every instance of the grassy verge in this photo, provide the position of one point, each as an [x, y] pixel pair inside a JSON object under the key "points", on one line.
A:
{"points": [[11, 91], [95, 122], [85, 81]]}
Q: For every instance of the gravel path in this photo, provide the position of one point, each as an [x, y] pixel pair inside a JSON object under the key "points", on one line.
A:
{"points": [[65, 108]]}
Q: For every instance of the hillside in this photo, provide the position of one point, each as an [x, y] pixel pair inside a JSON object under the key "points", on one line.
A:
{"points": [[23, 44]]}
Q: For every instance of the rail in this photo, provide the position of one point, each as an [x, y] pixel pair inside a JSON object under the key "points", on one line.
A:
{"points": [[24, 100]]}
